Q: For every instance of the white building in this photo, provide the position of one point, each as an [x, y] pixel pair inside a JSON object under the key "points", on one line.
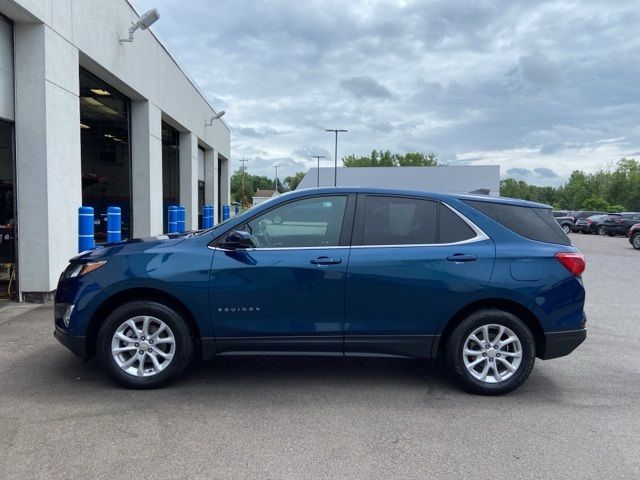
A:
{"points": [[86, 119], [445, 179], [261, 195]]}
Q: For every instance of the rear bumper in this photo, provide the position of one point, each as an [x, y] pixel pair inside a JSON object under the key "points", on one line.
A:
{"points": [[559, 344], [73, 343]]}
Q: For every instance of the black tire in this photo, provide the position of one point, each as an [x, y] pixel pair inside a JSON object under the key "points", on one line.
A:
{"points": [[611, 234], [635, 241], [600, 230], [184, 344], [456, 342], [566, 229]]}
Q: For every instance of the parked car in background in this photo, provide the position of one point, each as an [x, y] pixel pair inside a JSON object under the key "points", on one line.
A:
{"points": [[620, 224], [486, 283], [578, 214], [561, 213], [634, 236], [566, 223], [592, 224]]}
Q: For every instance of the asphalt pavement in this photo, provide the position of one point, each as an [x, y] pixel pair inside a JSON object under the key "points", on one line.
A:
{"points": [[576, 417]]}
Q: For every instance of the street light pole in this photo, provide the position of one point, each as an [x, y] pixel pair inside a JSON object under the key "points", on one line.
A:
{"points": [[318, 157], [335, 158]]}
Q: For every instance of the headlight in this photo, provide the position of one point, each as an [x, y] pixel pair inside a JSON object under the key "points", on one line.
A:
{"points": [[67, 315], [79, 269]]}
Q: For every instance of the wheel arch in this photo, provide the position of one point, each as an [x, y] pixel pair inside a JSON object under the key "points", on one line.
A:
{"points": [[510, 306], [137, 294]]}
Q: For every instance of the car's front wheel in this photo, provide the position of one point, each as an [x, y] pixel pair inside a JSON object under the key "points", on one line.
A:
{"points": [[601, 231], [635, 241], [144, 344], [566, 229], [491, 352]]}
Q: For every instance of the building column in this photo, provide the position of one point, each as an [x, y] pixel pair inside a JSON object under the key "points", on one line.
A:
{"points": [[211, 181], [146, 169], [225, 183], [48, 159], [189, 178]]}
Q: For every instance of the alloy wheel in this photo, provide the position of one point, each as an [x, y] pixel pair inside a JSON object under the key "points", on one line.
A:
{"points": [[492, 353], [143, 346], [566, 229], [636, 241]]}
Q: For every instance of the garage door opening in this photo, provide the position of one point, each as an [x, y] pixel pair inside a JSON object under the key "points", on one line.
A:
{"points": [[106, 152]]}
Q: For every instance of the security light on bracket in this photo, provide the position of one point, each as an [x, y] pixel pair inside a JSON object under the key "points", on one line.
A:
{"points": [[215, 117], [147, 19]]}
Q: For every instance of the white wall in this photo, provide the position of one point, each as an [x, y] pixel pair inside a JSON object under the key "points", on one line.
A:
{"points": [[52, 38]]}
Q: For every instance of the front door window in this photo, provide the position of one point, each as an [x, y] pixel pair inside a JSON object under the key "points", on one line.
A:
{"points": [[312, 222]]}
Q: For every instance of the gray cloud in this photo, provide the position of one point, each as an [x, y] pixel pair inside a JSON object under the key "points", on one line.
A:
{"points": [[365, 87], [521, 172], [545, 172], [497, 82]]}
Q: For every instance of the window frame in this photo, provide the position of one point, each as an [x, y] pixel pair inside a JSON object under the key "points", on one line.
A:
{"points": [[346, 230], [358, 225]]}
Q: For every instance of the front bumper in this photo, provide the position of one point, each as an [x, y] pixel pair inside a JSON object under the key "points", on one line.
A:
{"points": [[559, 344], [76, 344]]}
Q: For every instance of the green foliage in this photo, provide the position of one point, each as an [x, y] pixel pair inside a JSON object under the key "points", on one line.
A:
{"points": [[251, 184], [608, 190], [595, 202], [378, 158], [292, 181]]}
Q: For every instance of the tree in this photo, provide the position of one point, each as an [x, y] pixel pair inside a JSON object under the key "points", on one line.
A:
{"points": [[251, 184], [378, 158], [613, 189], [292, 181]]}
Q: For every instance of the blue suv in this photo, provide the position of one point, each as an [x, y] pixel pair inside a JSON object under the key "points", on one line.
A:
{"points": [[487, 284]]}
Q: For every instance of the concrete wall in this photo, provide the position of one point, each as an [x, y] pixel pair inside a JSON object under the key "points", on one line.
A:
{"points": [[52, 39]]}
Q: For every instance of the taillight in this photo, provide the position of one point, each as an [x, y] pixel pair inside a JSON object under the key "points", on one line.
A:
{"points": [[572, 261]]}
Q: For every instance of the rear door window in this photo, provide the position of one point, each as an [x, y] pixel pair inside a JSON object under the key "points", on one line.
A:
{"points": [[399, 221], [452, 228], [533, 223]]}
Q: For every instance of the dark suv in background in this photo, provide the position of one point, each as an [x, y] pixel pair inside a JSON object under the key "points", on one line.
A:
{"points": [[619, 224], [591, 224]]}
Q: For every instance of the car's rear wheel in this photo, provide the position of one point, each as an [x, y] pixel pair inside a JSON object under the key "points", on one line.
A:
{"points": [[566, 229], [144, 344], [600, 230], [491, 352], [635, 241]]}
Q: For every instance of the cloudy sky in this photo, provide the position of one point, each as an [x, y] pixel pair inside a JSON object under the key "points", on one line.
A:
{"points": [[539, 87]]}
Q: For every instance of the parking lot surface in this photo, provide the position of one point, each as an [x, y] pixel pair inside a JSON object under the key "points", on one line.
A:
{"points": [[332, 418]]}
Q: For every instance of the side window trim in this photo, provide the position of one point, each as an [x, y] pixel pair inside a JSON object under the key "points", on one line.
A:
{"points": [[358, 227]]}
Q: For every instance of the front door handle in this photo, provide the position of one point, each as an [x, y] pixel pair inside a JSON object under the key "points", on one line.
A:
{"points": [[326, 261], [461, 257]]}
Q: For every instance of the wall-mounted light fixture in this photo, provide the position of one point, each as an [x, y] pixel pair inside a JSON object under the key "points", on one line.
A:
{"points": [[145, 21], [217, 116]]}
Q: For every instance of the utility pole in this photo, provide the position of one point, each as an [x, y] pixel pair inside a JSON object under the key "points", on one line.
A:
{"points": [[335, 158], [318, 157], [243, 169], [276, 167]]}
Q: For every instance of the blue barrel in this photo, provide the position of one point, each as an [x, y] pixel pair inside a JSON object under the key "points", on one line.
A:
{"points": [[225, 212], [237, 210], [86, 239], [172, 221], [114, 225], [182, 221], [207, 216]]}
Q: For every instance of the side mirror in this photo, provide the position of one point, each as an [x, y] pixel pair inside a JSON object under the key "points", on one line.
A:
{"points": [[237, 239]]}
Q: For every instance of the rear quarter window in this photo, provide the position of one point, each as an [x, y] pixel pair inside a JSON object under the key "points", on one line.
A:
{"points": [[533, 223]]}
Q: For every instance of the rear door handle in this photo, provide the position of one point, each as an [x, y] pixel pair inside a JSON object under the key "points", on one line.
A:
{"points": [[461, 257], [326, 261]]}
